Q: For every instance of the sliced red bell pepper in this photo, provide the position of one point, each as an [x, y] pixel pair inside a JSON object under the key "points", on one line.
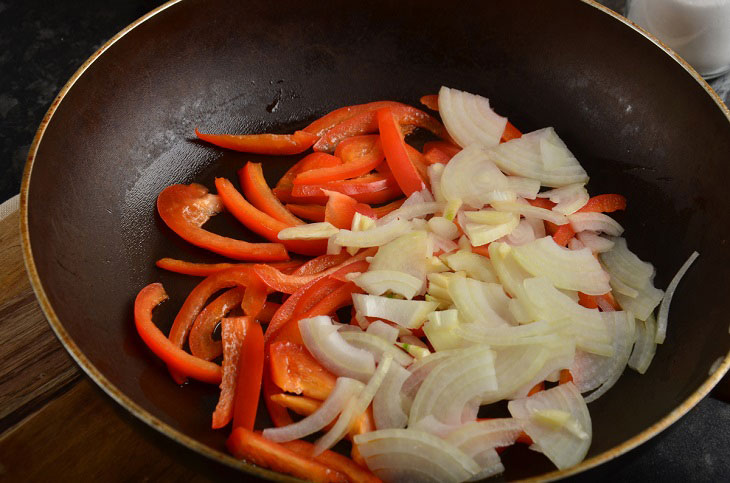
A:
{"points": [[540, 386], [250, 373], [341, 209], [301, 405], [419, 162], [254, 448], [510, 132], [201, 333], [482, 250], [607, 203], [233, 332], [366, 122], [405, 173], [439, 152], [190, 366], [267, 313], [205, 269], [294, 370], [371, 188], [343, 464], [381, 211], [307, 212], [254, 298], [542, 203], [359, 154], [331, 119], [278, 414], [285, 312], [431, 101], [185, 208], [587, 301], [565, 376], [258, 192], [321, 263], [311, 161], [281, 144], [594, 301], [260, 222]]}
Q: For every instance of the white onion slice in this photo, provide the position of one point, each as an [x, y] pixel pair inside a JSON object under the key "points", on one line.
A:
{"points": [[663, 316], [441, 245], [568, 199], [522, 234], [597, 222], [529, 210], [440, 330], [354, 408], [374, 237], [377, 347], [481, 234], [407, 455], [308, 231], [416, 210], [595, 242], [407, 253], [567, 269], [646, 300], [479, 302], [562, 443], [624, 336], [645, 346], [407, 313], [388, 403], [328, 346], [475, 266], [443, 227], [345, 389], [479, 440], [378, 282], [472, 178], [420, 369], [434, 175], [385, 331], [540, 155], [622, 263], [469, 119], [523, 187], [575, 244]]}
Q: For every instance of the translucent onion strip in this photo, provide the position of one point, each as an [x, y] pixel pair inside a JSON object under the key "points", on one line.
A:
{"points": [[479, 440], [529, 210], [596, 222], [624, 336], [568, 199], [377, 347], [595, 242], [373, 237], [472, 178], [410, 314], [645, 345], [309, 231], [388, 404], [469, 119], [378, 282], [663, 317]]}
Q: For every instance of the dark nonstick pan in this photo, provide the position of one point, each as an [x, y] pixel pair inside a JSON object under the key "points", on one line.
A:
{"points": [[642, 124]]}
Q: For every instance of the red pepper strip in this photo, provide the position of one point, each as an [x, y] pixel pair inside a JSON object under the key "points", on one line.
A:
{"points": [[371, 188], [396, 155], [254, 298], [593, 301], [383, 168], [255, 189], [282, 144], [262, 223], [562, 234], [540, 386], [147, 299], [302, 405], [597, 204], [381, 211], [205, 269], [482, 250], [310, 161], [565, 376], [233, 332], [366, 122], [256, 449], [341, 275], [431, 101], [510, 132], [542, 203], [282, 282], [321, 263], [285, 312], [419, 162], [330, 120], [339, 210], [439, 152], [359, 154], [267, 313], [326, 285], [185, 208], [343, 464], [250, 373], [201, 333], [524, 439], [278, 414], [294, 370], [307, 212]]}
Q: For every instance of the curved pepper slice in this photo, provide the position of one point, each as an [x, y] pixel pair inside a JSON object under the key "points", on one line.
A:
{"points": [[282, 144], [321, 263], [201, 333], [607, 203], [406, 175], [190, 366], [431, 101], [359, 155], [353, 470], [254, 298], [233, 332], [260, 222], [371, 189], [333, 118], [185, 208], [340, 209], [308, 212], [250, 374], [439, 152], [205, 269], [294, 370], [258, 192], [315, 160], [510, 132]]}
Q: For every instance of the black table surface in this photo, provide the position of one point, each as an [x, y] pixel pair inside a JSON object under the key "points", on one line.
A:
{"points": [[42, 43]]}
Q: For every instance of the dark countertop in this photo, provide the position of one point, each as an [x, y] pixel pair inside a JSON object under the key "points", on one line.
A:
{"points": [[43, 43]]}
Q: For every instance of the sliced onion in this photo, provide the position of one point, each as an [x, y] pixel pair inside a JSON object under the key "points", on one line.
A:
{"points": [[622, 263], [663, 317], [354, 408], [385, 331], [420, 369], [441, 245], [540, 155], [407, 253], [510, 273], [441, 330], [469, 119], [568, 199], [434, 175], [597, 222], [407, 313], [309, 231], [475, 266], [619, 287], [567, 269], [472, 178], [645, 345], [377, 347], [411, 455], [479, 302], [327, 345], [345, 389], [438, 285], [378, 282], [595, 242], [523, 187], [431, 425], [564, 445], [522, 234], [529, 210], [374, 237], [443, 227], [482, 234], [479, 440], [646, 300], [388, 405], [453, 383], [575, 244]]}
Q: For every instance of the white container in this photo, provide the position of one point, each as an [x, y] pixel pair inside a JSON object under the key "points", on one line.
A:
{"points": [[698, 30]]}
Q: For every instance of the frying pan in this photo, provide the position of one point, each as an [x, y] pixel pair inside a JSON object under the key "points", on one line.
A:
{"points": [[641, 122]]}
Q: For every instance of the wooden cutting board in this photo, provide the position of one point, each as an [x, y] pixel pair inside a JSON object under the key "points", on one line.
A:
{"points": [[55, 423]]}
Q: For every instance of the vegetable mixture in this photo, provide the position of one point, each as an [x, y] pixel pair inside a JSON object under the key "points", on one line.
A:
{"points": [[478, 269]]}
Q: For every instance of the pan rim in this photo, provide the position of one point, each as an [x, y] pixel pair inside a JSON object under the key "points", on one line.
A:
{"points": [[145, 416]]}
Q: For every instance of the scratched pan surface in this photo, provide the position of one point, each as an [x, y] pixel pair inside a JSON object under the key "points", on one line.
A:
{"points": [[640, 123]]}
